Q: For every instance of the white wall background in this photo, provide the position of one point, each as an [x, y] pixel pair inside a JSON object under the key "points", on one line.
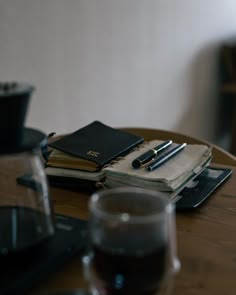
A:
{"points": [[149, 63]]}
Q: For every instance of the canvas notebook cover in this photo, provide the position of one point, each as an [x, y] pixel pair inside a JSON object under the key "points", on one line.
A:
{"points": [[171, 176], [91, 147]]}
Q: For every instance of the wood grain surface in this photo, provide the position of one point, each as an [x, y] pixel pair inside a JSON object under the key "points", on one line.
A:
{"points": [[206, 236]]}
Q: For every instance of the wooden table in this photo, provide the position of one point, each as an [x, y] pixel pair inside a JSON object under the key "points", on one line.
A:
{"points": [[206, 236]]}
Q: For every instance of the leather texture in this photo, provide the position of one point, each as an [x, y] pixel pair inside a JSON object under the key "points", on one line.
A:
{"points": [[97, 143]]}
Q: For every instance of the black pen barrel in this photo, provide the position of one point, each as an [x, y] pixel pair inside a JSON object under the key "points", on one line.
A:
{"points": [[148, 155], [162, 159], [143, 159]]}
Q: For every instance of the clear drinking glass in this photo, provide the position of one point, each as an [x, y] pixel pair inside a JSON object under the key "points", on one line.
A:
{"points": [[132, 249]]}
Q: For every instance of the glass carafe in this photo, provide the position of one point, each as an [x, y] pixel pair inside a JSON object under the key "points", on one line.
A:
{"points": [[26, 218]]}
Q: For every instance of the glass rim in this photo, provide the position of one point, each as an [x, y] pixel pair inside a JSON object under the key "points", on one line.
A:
{"points": [[168, 206]]}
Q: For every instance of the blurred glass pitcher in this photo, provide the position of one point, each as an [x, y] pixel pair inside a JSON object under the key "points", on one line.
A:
{"points": [[26, 217]]}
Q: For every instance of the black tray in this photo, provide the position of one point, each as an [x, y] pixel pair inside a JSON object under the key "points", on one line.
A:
{"points": [[18, 274]]}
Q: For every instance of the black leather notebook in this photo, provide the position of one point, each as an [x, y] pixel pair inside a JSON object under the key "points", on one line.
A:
{"points": [[95, 143]]}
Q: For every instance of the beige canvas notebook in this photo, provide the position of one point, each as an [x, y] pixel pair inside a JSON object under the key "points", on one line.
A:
{"points": [[171, 176]]}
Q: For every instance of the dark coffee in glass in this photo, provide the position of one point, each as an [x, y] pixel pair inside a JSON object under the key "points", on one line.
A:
{"points": [[132, 243], [131, 273]]}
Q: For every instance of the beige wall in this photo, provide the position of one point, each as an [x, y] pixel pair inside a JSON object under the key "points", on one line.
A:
{"points": [[148, 63]]}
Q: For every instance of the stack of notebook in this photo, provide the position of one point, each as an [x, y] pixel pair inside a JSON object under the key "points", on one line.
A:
{"points": [[103, 155]]}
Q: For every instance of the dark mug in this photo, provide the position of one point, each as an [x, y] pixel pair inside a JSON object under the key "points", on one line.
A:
{"points": [[14, 101]]}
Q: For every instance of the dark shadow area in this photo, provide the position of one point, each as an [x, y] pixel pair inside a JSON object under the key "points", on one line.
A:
{"points": [[201, 115], [227, 92], [211, 109]]}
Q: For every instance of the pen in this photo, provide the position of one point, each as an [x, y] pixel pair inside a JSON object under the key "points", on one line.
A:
{"points": [[147, 156], [162, 159]]}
